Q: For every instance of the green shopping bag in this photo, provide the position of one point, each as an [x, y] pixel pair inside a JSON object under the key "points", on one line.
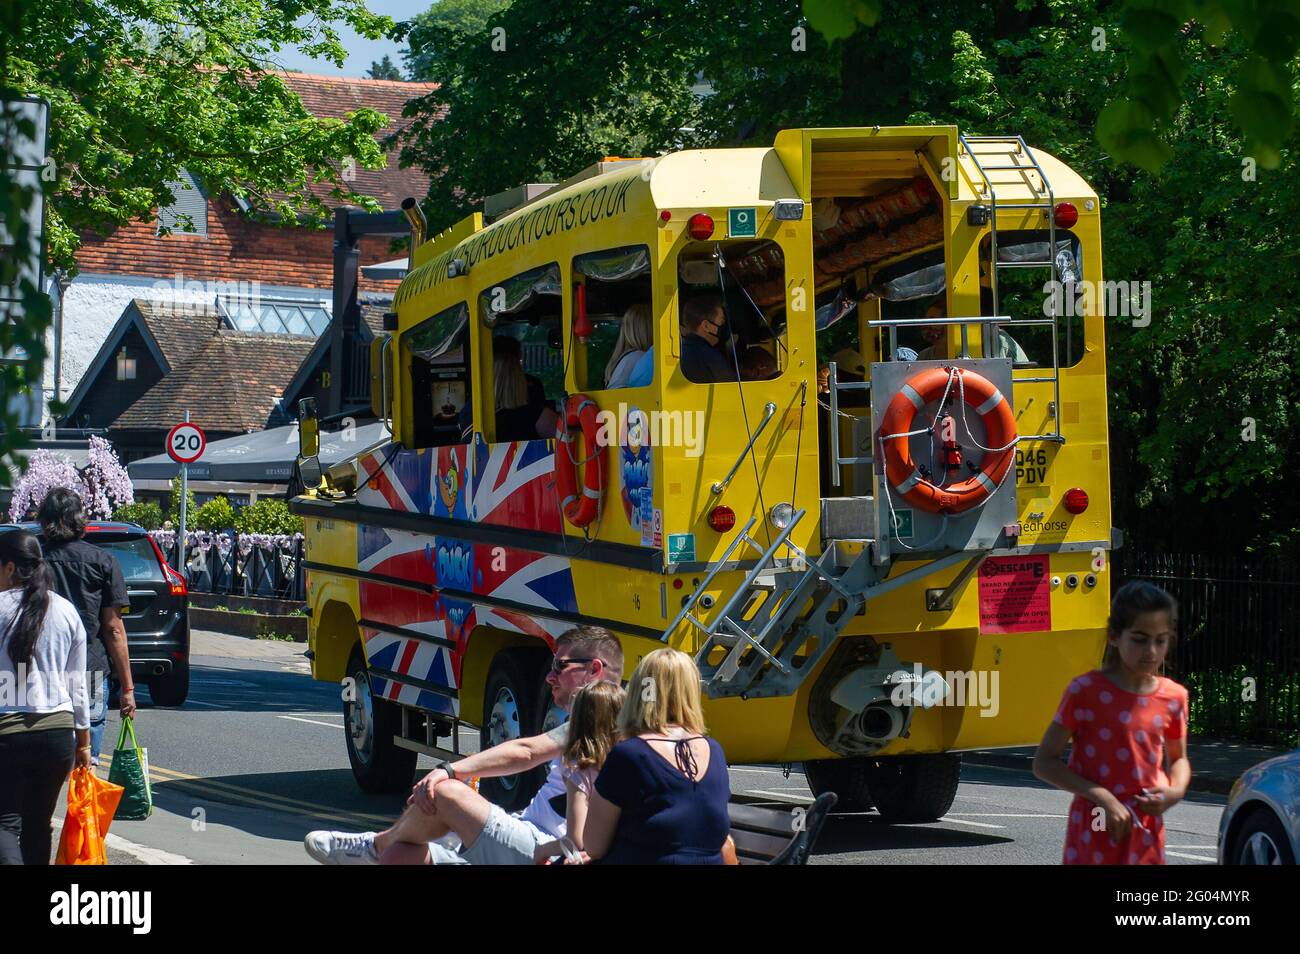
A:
{"points": [[130, 769]]}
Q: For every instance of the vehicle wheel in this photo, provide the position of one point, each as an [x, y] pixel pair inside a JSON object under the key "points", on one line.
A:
{"points": [[914, 788], [1262, 841], [847, 778], [511, 710], [369, 726], [172, 689]]}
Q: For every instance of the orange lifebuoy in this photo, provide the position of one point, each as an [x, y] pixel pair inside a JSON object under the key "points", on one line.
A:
{"points": [[986, 400], [579, 508]]}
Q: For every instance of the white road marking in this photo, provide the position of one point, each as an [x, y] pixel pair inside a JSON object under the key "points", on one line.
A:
{"points": [[150, 856], [210, 705], [1002, 815], [781, 795], [757, 771], [328, 725], [962, 821], [1179, 854]]}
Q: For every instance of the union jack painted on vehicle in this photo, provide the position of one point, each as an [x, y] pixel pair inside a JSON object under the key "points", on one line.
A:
{"points": [[502, 484]]}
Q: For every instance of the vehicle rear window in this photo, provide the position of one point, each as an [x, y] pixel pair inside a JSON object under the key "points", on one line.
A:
{"points": [[134, 554]]}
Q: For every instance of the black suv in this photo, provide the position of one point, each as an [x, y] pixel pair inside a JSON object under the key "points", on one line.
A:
{"points": [[158, 619]]}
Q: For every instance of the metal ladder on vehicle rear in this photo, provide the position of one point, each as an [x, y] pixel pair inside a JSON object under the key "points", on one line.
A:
{"points": [[765, 622], [769, 634], [1014, 149]]}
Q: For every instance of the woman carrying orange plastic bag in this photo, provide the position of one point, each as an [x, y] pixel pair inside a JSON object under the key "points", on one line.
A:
{"points": [[91, 804], [45, 724]]}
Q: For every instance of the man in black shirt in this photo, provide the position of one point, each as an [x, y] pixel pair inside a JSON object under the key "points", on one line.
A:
{"points": [[91, 580], [703, 321]]}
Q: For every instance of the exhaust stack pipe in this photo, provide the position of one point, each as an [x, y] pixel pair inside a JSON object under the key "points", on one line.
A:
{"points": [[419, 227], [880, 722]]}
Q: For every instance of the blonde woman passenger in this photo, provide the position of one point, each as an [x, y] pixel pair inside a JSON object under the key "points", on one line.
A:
{"points": [[635, 336], [661, 797], [522, 413]]}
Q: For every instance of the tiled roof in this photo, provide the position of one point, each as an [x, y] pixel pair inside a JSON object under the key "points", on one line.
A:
{"points": [[179, 330], [231, 383], [372, 313], [335, 97]]}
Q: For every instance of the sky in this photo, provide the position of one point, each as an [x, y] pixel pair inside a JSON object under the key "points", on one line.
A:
{"points": [[361, 52]]}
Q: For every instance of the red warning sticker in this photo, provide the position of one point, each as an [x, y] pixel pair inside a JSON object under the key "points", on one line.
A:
{"points": [[1015, 595]]}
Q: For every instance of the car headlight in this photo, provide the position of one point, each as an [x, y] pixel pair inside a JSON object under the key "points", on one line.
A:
{"points": [[781, 515]]}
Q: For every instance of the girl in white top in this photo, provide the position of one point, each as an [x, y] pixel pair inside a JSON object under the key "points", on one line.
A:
{"points": [[43, 699], [635, 336], [593, 731]]}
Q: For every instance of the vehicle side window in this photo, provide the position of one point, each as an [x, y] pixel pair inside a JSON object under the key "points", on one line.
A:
{"points": [[523, 314], [614, 287], [437, 353], [732, 320], [1022, 294]]}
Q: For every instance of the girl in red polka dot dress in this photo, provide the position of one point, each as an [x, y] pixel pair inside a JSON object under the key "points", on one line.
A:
{"points": [[1125, 720]]}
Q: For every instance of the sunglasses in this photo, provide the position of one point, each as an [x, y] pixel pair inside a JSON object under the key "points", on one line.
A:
{"points": [[561, 663]]}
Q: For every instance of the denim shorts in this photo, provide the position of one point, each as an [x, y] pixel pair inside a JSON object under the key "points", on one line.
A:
{"points": [[505, 840]]}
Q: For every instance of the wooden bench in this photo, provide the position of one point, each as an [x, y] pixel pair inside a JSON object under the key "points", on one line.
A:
{"points": [[772, 836]]}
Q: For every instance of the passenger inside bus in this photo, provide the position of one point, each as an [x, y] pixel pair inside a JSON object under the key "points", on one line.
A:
{"points": [[703, 324], [522, 411], [635, 337]]}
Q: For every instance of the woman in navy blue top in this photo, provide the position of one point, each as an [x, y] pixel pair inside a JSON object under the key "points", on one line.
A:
{"points": [[661, 797]]}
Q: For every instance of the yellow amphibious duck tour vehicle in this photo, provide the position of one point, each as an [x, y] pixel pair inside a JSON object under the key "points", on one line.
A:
{"points": [[877, 560]]}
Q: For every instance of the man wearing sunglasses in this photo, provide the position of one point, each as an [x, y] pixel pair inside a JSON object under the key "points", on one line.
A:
{"points": [[441, 804]]}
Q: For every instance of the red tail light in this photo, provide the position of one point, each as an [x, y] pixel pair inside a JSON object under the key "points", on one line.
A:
{"points": [[1076, 500], [722, 519], [700, 226], [1065, 215], [175, 582]]}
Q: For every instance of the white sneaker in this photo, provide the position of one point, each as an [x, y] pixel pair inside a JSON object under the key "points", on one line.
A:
{"points": [[341, 847]]}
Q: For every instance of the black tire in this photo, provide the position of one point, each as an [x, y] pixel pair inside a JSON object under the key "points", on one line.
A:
{"points": [[1261, 840], [369, 727], [914, 788], [172, 689], [847, 778], [513, 709]]}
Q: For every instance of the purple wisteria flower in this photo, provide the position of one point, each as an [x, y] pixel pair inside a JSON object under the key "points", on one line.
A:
{"points": [[104, 484], [45, 472]]}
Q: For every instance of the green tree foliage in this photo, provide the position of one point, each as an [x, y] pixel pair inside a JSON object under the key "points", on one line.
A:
{"points": [[268, 515], [384, 69], [174, 506], [556, 89], [432, 30], [145, 513], [1140, 121], [216, 514]]}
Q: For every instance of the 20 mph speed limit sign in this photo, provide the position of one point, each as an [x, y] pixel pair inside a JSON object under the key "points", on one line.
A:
{"points": [[186, 443]]}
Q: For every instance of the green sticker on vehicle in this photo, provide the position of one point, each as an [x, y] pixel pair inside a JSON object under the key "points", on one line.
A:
{"points": [[902, 529], [681, 548], [742, 223]]}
